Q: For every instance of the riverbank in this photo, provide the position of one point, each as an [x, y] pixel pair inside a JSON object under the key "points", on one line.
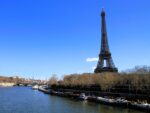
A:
{"points": [[7, 84], [128, 96], [106, 100]]}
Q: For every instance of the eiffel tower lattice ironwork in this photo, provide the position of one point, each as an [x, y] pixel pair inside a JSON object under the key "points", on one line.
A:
{"points": [[105, 63]]}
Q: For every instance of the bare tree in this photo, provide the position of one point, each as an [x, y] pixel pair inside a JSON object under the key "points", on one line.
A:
{"points": [[53, 80]]}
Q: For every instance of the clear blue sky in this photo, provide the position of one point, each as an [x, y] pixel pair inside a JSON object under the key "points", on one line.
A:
{"points": [[39, 38]]}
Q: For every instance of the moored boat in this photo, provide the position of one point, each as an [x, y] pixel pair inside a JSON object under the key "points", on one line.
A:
{"points": [[35, 87], [141, 105], [43, 89], [82, 96], [106, 100]]}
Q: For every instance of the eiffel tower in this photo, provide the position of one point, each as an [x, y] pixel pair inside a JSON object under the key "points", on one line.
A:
{"points": [[105, 63]]}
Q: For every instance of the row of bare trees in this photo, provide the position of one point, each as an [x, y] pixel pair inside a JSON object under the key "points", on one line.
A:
{"points": [[136, 81]]}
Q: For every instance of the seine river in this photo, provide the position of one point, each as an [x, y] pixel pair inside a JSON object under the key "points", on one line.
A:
{"points": [[26, 100]]}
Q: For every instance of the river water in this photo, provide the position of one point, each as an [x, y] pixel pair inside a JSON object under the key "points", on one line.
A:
{"points": [[26, 100]]}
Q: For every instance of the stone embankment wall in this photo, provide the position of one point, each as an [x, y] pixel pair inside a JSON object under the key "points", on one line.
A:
{"points": [[128, 96]]}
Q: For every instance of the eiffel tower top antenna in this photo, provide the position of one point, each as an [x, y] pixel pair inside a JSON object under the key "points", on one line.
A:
{"points": [[102, 6], [102, 2]]}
